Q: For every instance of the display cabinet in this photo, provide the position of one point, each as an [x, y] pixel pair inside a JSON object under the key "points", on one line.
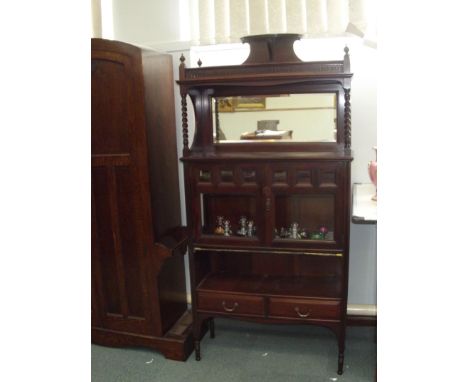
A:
{"points": [[267, 180]]}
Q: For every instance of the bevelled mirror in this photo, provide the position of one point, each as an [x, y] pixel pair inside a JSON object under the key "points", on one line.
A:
{"points": [[277, 118]]}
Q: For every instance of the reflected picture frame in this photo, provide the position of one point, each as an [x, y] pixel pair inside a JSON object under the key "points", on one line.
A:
{"points": [[232, 104]]}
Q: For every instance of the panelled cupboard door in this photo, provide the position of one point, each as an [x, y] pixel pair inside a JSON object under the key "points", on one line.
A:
{"points": [[120, 204]]}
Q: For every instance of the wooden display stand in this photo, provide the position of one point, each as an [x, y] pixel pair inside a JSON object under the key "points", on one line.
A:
{"points": [[273, 274]]}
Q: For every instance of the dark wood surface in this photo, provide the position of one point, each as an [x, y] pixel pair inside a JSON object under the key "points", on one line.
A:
{"points": [[361, 320], [265, 278], [138, 274]]}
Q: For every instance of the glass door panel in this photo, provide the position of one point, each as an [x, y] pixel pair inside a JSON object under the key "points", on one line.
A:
{"points": [[301, 217], [229, 216]]}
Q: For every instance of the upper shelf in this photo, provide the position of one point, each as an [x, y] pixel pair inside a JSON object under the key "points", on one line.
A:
{"points": [[271, 57], [271, 72]]}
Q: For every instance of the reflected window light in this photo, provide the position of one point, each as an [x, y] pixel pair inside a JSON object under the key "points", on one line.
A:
{"points": [[107, 14]]}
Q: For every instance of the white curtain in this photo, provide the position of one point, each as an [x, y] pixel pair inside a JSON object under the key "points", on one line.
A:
{"points": [[96, 18], [222, 21]]}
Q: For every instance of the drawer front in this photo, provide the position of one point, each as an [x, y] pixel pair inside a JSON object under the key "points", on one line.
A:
{"points": [[304, 309], [231, 304]]}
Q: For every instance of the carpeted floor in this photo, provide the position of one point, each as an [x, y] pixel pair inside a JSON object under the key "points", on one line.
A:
{"points": [[244, 352]]}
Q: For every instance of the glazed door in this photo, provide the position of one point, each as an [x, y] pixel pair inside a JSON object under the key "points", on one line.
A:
{"points": [[227, 204], [120, 200], [306, 206]]}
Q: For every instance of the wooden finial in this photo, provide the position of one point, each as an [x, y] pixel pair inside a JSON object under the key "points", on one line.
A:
{"points": [[199, 62], [182, 58], [346, 63]]}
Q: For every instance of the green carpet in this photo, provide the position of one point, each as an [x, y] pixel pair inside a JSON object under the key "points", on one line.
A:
{"points": [[248, 352]]}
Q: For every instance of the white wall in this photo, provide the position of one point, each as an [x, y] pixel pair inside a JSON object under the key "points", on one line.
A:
{"points": [[155, 24]]}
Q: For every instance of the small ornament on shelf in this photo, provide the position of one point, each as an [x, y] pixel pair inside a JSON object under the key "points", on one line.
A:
{"points": [[294, 231], [323, 230], [303, 233], [250, 228], [242, 231], [316, 235], [219, 230], [284, 233], [227, 228]]}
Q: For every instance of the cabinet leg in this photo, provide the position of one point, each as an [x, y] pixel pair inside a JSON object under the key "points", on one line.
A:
{"points": [[341, 349], [197, 336], [340, 363], [197, 350], [212, 327]]}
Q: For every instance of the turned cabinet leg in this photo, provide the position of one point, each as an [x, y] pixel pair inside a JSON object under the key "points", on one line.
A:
{"points": [[341, 348], [340, 363], [212, 327], [196, 337], [197, 350]]}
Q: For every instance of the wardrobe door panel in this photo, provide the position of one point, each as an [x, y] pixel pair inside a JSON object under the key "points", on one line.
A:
{"points": [[111, 89]]}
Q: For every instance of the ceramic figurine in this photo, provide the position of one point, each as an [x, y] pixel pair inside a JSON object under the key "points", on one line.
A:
{"points": [[294, 231], [227, 228], [243, 226], [219, 230], [323, 231], [316, 236], [250, 228], [284, 234], [373, 173]]}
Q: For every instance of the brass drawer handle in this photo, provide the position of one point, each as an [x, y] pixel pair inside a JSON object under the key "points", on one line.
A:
{"points": [[230, 309], [302, 315]]}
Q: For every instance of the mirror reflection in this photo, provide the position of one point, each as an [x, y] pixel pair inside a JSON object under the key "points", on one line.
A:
{"points": [[275, 118]]}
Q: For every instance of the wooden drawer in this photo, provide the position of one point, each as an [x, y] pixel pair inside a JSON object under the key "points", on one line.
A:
{"points": [[231, 304], [304, 309]]}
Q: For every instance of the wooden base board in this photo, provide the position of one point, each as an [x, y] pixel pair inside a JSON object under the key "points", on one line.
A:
{"points": [[172, 348], [177, 344]]}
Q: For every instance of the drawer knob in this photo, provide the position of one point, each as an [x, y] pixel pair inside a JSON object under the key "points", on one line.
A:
{"points": [[227, 309], [302, 315]]}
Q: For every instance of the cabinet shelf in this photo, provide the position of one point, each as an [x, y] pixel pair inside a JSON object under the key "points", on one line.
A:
{"points": [[326, 287]]}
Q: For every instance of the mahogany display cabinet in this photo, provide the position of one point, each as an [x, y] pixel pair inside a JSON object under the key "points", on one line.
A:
{"points": [[267, 180]]}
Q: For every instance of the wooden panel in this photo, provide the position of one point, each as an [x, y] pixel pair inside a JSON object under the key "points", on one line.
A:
{"points": [[118, 167], [161, 139], [111, 91], [104, 245], [172, 291], [304, 309], [110, 160], [131, 248], [231, 304]]}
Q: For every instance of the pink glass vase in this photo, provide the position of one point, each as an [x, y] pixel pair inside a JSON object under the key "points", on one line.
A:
{"points": [[373, 173]]}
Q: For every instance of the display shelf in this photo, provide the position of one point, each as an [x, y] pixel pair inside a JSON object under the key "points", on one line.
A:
{"points": [[273, 285]]}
